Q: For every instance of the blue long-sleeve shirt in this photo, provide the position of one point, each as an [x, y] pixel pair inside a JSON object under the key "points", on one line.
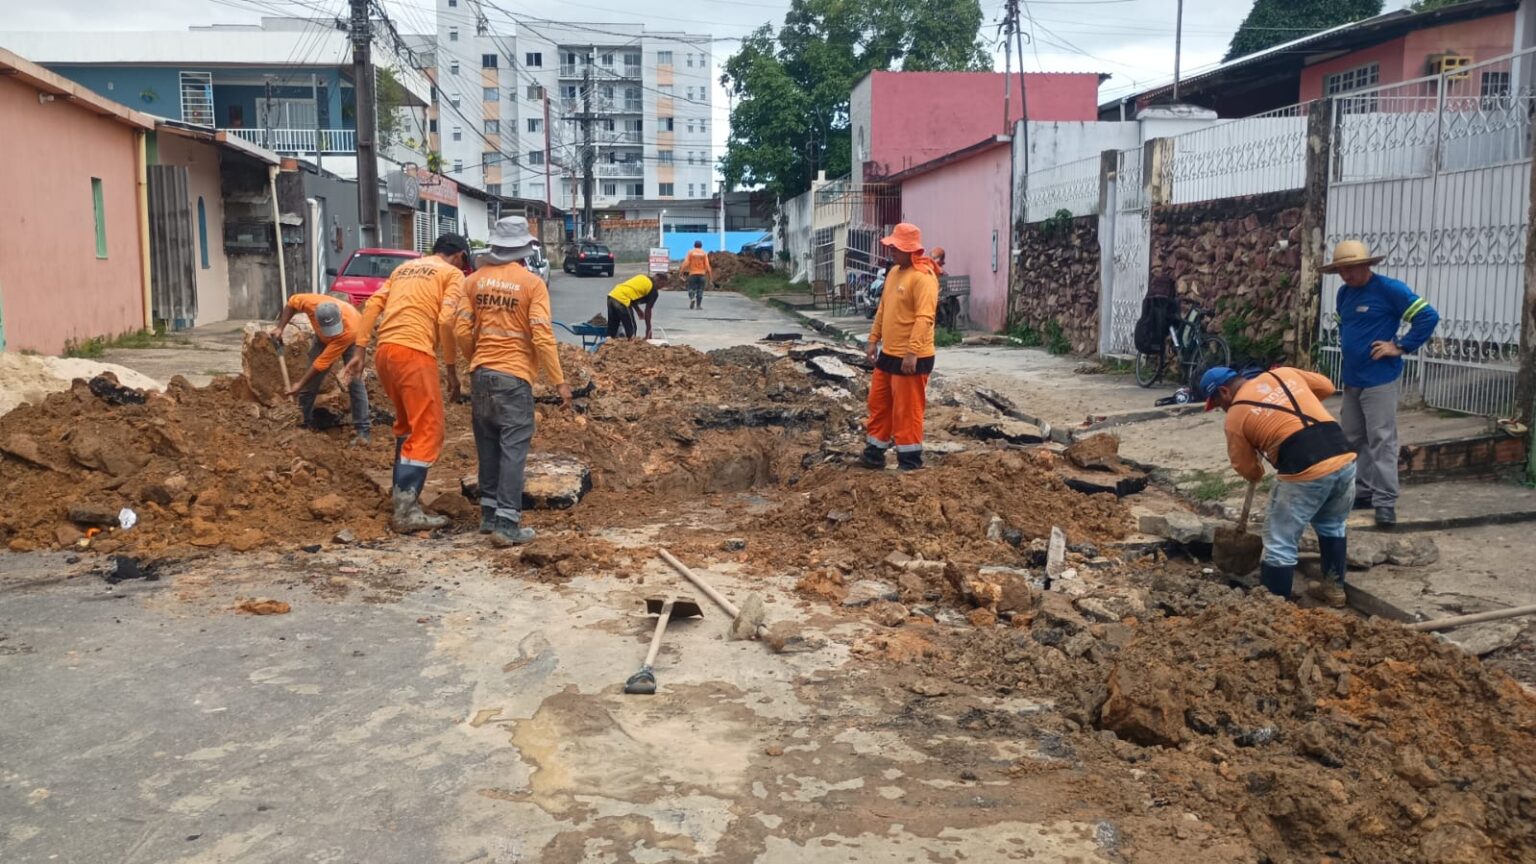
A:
{"points": [[1375, 312]]}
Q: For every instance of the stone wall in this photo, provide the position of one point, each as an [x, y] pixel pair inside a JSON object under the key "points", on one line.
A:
{"points": [[1056, 279], [1241, 258]]}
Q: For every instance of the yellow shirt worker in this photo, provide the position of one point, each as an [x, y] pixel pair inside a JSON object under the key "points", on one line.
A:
{"points": [[901, 347]]}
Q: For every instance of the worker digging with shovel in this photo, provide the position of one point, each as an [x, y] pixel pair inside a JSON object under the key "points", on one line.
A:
{"points": [[336, 324], [1279, 415]]}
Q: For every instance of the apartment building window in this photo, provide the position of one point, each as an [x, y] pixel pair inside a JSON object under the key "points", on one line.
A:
{"points": [[458, 166], [664, 190], [453, 68], [535, 157], [493, 127], [535, 125], [535, 92], [690, 157], [635, 126], [481, 27], [663, 58], [632, 99], [493, 188], [197, 98], [690, 125], [632, 59], [98, 207], [665, 123], [454, 100], [453, 34], [491, 158], [458, 133], [432, 126], [690, 94], [606, 59], [664, 157], [610, 190], [534, 59], [634, 190], [487, 61], [453, 4], [690, 190], [491, 94], [703, 125]]}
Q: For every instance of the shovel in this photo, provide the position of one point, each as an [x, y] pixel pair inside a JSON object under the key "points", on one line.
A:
{"points": [[1234, 550], [282, 362], [644, 681]]}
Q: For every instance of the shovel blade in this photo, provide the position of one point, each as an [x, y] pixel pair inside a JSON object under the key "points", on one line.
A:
{"points": [[1236, 552], [682, 607], [641, 683]]}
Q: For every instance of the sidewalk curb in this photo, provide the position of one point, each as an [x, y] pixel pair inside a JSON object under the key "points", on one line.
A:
{"points": [[820, 326]]}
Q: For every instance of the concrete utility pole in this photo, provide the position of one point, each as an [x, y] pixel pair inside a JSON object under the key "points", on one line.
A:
{"points": [[266, 121], [548, 179], [722, 215], [314, 86], [1178, 47], [588, 152], [367, 124]]}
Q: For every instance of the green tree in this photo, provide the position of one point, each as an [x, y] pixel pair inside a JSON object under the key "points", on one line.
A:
{"points": [[790, 88], [1430, 5], [1271, 22]]}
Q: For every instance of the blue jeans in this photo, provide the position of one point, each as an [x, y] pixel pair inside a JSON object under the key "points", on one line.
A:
{"points": [[1323, 503]]}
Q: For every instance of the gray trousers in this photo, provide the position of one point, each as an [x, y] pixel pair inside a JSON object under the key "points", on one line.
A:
{"points": [[1369, 418], [357, 391], [501, 410], [696, 288]]}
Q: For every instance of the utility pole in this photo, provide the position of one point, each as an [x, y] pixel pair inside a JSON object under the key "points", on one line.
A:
{"points": [[588, 153], [367, 126], [1018, 35], [1178, 46], [722, 215], [314, 86], [548, 180], [1007, 28], [266, 123]]}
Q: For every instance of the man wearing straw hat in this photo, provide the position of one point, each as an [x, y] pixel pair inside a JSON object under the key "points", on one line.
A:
{"points": [[1372, 308]]}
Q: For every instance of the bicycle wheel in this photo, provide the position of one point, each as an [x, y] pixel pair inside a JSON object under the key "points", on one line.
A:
{"points": [[1149, 367], [1213, 352]]}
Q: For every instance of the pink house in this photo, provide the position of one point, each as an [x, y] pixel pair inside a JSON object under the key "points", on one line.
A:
{"points": [[961, 202], [1417, 54], [72, 240], [903, 119]]}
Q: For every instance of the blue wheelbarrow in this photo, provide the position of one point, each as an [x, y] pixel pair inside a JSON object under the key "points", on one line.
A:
{"points": [[591, 335]]}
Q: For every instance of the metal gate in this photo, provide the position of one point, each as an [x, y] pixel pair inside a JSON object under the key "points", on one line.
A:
{"points": [[172, 241], [1435, 175], [1126, 284]]}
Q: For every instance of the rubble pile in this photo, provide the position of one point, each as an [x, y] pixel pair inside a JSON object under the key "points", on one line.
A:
{"points": [[727, 267]]}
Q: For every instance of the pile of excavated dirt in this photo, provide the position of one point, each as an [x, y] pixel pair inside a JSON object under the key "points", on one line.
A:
{"points": [[217, 466], [727, 267], [30, 378], [1314, 735]]}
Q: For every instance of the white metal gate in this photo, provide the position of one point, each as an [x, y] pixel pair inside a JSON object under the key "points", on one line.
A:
{"points": [[1127, 283], [1435, 175]]}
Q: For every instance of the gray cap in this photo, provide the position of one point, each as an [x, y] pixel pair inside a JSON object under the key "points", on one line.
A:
{"points": [[328, 316]]}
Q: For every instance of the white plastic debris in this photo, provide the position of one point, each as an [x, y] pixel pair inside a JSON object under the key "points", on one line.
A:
{"points": [[126, 518]]}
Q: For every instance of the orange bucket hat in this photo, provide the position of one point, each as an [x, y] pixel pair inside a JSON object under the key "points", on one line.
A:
{"points": [[906, 237]]}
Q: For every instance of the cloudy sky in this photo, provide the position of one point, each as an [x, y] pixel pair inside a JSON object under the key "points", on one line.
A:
{"points": [[1132, 40]]}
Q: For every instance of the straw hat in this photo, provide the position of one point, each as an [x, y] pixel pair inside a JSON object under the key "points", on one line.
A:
{"points": [[1350, 253]]}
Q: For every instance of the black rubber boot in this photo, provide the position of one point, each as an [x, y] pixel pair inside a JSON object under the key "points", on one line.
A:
{"points": [[873, 458], [487, 519], [1335, 554], [1277, 578], [910, 460], [1386, 518]]}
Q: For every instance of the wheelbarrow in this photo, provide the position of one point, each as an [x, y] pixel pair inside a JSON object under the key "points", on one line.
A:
{"points": [[591, 335]]}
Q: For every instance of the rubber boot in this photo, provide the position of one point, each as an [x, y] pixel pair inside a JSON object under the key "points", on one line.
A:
{"points": [[1335, 554], [1277, 578], [408, 515], [510, 532], [911, 460], [874, 458], [487, 519]]}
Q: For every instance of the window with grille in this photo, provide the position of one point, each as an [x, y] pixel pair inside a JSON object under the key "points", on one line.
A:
{"points": [[1494, 89], [534, 60], [1343, 83], [664, 190], [197, 98]]}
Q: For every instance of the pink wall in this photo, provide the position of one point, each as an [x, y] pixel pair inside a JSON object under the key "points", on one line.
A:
{"points": [[52, 286], [958, 207], [919, 116], [1407, 57]]}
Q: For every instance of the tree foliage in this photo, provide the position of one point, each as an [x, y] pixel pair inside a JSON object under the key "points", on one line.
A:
{"points": [[1271, 22], [790, 88]]}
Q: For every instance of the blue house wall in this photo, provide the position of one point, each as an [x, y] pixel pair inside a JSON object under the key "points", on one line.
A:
{"points": [[157, 90]]}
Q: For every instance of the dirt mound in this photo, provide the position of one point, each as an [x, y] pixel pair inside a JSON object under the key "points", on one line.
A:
{"points": [[30, 378], [963, 510], [215, 466]]}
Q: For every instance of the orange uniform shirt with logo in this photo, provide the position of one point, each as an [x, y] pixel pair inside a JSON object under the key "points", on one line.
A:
{"points": [[696, 263], [335, 346], [1252, 431], [502, 321], [904, 321], [410, 308]]}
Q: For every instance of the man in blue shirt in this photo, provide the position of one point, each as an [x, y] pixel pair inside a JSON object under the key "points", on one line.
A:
{"points": [[1372, 309]]}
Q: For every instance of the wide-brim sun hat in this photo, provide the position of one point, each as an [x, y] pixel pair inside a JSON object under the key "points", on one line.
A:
{"points": [[906, 237], [1350, 253], [510, 241]]}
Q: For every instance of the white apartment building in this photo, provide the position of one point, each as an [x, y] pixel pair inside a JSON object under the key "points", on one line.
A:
{"points": [[650, 97]]}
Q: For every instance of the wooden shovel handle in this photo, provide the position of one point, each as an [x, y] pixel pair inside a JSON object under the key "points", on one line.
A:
{"points": [[1242, 523], [661, 627]]}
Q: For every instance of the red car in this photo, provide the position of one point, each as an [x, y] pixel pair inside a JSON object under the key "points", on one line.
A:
{"points": [[365, 272]]}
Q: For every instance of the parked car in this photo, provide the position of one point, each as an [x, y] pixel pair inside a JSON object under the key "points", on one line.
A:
{"points": [[365, 271], [761, 249], [586, 258], [539, 264]]}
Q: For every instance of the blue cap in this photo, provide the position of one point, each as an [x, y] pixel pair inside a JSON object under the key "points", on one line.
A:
{"points": [[1212, 380]]}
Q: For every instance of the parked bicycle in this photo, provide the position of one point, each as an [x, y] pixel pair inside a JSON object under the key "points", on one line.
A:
{"points": [[1191, 346]]}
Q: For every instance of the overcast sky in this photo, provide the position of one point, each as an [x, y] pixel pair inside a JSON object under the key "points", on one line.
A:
{"points": [[1132, 40]]}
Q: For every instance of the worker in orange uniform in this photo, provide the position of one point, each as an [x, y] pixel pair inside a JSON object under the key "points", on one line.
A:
{"points": [[938, 255], [414, 310], [901, 347], [336, 324], [1279, 415], [502, 323], [698, 273]]}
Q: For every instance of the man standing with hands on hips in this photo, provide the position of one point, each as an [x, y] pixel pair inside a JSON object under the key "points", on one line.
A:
{"points": [[901, 347], [1372, 308]]}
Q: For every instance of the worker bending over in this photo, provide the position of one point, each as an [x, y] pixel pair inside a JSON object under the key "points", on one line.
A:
{"points": [[336, 324], [901, 347], [502, 323], [1278, 415], [697, 270], [637, 291], [414, 310]]}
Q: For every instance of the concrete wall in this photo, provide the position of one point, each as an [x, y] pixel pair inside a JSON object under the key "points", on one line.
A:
{"points": [[53, 287], [628, 240], [1057, 143], [963, 207], [203, 186]]}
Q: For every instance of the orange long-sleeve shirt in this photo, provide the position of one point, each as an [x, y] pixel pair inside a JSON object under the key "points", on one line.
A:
{"points": [[696, 263], [1252, 431], [904, 322], [415, 308], [335, 346], [502, 321]]}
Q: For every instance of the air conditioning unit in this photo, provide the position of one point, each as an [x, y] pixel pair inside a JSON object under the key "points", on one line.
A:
{"points": [[1452, 66]]}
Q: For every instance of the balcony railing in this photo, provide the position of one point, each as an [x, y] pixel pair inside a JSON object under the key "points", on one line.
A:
{"points": [[599, 70], [621, 169], [299, 141]]}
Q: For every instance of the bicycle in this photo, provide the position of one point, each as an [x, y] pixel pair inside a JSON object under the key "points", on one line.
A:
{"points": [[1195, 348]]}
